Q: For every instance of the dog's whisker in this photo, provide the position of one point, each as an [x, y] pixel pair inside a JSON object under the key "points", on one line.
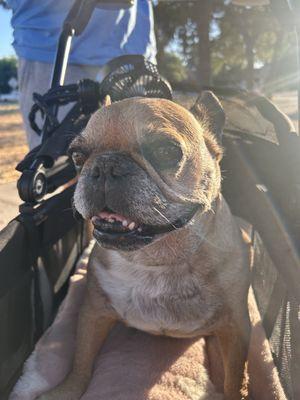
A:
{"points": [[167, 219]]}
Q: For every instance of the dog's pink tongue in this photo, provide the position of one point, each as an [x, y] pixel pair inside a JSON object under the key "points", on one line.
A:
{"points": [[108, 215]]}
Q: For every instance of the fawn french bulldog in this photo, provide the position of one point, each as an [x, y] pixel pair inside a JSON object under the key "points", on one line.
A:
{"points": [[168, 258]]}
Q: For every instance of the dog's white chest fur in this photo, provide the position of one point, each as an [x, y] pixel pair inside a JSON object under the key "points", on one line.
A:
{"points": [[160, 299]]}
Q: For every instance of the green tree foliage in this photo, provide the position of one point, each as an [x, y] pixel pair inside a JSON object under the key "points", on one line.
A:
{"points": [[188, 24], [8, 70], [172, 68], [217, 41], [250, 38]]}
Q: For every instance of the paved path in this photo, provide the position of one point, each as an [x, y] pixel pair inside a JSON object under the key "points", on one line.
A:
{"points": [[9, 202]]}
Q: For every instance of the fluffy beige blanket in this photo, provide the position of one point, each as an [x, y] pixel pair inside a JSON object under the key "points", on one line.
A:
{"points": [[133, 365]]}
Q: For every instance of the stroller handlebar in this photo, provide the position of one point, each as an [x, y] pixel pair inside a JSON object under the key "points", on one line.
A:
{"points": [[114, 3]]}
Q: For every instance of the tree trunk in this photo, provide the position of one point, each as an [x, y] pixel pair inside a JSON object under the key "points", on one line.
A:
{"points": [[249, 44], [203, 11], [249, 38], [270, 83]]}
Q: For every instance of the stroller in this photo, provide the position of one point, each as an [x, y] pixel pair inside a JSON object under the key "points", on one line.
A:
{"points": [[40, 247]]}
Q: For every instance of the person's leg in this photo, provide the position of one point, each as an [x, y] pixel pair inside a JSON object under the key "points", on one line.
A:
{"points": [[34, 76]]}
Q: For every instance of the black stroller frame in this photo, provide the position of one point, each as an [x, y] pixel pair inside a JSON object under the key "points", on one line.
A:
{"points": [[40, 247]]}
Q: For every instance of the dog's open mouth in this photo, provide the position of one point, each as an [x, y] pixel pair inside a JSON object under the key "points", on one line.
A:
{"points": [[112, 223], [115, 230]]}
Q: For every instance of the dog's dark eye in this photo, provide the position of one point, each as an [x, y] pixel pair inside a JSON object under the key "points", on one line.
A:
{"points": [[78, 158], [163, 153]]}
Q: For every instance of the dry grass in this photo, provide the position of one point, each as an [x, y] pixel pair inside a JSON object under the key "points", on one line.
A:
{"points": [[13, 145]]}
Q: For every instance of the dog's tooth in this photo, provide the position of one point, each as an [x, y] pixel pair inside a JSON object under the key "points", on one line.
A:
{"points": [[140, 229], [124, 223], [111, 220], [131, 226]]}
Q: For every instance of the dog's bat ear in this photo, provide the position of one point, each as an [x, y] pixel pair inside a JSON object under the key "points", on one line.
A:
{"points": [[209, 111]]}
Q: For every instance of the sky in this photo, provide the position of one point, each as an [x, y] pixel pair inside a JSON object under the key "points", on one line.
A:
{"points": [[6, 38]]}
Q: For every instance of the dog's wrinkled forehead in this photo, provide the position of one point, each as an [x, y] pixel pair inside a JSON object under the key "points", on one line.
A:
{"points": [[122, 126]]}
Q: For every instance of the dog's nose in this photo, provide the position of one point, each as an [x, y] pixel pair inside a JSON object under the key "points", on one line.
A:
{"points": [[111, 166]]}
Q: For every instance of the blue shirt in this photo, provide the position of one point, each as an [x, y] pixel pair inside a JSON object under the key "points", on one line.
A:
{"points": [[109, 33]]}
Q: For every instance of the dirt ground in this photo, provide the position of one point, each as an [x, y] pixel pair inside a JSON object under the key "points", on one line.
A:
{"points": [[13, 145]]}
